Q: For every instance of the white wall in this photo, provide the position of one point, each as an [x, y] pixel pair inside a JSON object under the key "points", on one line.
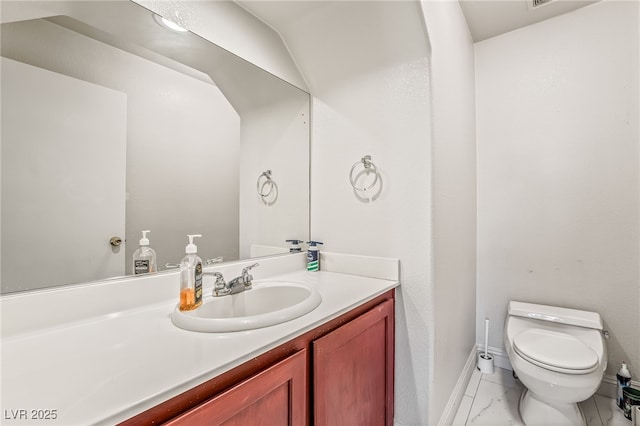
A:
{"points": [[558, 187], [275, 138], [45, 204], [367, 65], [454, 198]]}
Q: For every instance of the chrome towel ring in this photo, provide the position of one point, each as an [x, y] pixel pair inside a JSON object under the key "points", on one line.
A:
{"points": [[367, 167], [267, 188], [265, 181]]}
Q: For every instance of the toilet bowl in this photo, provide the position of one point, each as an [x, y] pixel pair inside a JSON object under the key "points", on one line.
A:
{"points": [[560, 357]]}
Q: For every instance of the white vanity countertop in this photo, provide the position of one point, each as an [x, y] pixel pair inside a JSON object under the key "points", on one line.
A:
{"points": [[106, 369]]}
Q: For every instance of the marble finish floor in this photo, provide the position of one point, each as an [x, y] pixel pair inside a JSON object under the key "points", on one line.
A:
{"points": [[492, 400]]}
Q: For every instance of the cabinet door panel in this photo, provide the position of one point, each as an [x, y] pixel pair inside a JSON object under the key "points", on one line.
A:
{"points": [[275, 396], [353, 371]]}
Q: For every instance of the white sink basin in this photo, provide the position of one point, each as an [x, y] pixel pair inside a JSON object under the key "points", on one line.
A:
{"points": [[267, 303]]}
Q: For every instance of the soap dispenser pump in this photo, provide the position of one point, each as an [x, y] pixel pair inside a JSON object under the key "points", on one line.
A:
{"points": [[144, 258], [191, 277], [313, 256]]}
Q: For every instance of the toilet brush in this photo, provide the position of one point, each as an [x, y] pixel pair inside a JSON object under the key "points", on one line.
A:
{"points": [[485, 359]]}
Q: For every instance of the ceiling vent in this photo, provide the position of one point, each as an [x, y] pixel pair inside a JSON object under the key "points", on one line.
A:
{"points": [[537, 3]]}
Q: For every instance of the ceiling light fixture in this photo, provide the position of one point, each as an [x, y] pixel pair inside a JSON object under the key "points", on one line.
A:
{"points": [[169, 24]]}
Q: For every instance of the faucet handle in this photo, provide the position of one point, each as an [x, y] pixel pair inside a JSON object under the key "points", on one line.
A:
{"points": [[220, 286], [219, 279], [246, 276], [245, 270]]}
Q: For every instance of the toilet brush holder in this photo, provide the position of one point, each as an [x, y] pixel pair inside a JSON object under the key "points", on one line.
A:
{"points": [[485, 363], [485, 359]]}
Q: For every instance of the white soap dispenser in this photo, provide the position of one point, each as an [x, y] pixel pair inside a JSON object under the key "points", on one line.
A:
{"points": [[191, 277], [144, 258]]}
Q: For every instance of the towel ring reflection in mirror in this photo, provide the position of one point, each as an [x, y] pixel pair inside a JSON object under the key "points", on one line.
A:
{"points": [[267, 188], [357, 177]]}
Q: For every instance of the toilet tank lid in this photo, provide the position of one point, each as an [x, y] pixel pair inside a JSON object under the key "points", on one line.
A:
{"points": [[556, 314]]}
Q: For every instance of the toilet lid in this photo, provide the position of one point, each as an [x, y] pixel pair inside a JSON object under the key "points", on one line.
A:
{"points": [[555, 351]]}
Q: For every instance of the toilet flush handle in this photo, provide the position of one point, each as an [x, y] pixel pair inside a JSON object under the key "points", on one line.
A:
{"points": [[605, 334]]}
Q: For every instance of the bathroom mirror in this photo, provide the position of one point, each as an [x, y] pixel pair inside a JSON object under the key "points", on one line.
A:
{"points": [[114, 123]]}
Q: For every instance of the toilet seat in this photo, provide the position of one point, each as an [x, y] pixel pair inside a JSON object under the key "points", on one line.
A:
{"points": [[555, 351]]}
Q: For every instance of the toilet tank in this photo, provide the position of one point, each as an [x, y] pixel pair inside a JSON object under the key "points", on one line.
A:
{"points": [[556, 314]]}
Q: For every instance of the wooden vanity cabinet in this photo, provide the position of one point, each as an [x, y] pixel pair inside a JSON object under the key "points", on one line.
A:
{"points": [[338, 374]]}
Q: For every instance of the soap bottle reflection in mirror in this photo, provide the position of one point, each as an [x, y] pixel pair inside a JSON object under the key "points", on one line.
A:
{"points": [[144, 258], [191, 277]]}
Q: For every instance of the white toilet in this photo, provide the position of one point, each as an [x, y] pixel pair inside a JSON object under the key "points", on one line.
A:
{"points": [[559, 355]]}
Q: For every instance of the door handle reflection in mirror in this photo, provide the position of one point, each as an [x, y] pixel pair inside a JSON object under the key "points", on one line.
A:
{"points": [[115, 241]]}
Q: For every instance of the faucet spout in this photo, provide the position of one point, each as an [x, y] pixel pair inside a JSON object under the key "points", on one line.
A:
{"points": [[243, 282], [236, 285]]}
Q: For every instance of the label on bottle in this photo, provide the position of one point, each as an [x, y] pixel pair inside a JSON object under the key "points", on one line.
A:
{"points": [[141, 266], [313, 260], [623, 382], [198, 282]]}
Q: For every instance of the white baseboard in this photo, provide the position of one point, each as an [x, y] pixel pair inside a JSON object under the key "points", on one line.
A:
{"points": [[451, 408], [609, 386], [500, 358]]}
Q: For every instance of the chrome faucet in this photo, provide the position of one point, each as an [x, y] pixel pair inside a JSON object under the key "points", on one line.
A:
{"points": [[236, 285], [243, 282]]}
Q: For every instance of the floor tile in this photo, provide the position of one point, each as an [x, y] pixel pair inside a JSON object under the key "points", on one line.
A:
{"points": [[590, 411], [609, 412], [492, 400], [473, 383], [463, 411], [501, 377], [495, 404]]}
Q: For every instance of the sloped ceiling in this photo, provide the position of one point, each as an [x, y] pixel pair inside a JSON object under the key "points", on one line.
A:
{"points": [[489, 18], [485, 18]]}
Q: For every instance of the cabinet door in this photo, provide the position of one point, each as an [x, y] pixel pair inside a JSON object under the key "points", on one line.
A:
{"points": [[353, 371], [275, 396]]}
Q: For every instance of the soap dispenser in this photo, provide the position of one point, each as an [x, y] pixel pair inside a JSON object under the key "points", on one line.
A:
{"points": [[191, 277], [295, 247], [313, 256], [144, 258]]}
